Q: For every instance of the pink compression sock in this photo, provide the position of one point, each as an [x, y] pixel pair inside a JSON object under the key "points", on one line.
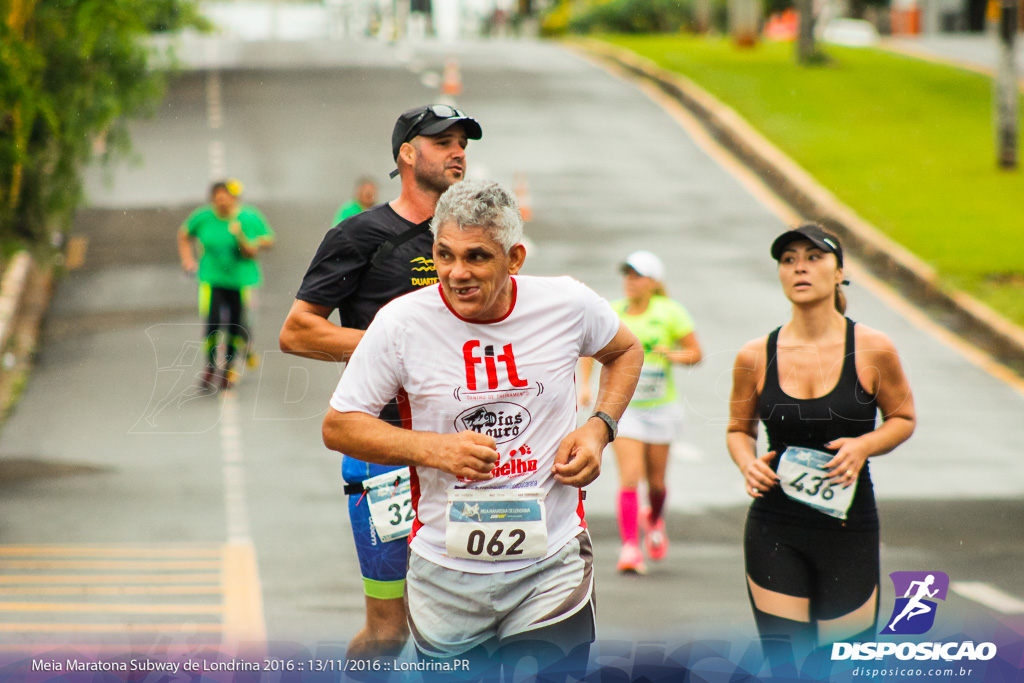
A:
{"points": [[628, 516]]}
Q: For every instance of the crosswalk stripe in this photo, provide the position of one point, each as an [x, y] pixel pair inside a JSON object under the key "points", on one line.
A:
{"points": [[109, 628], [110, 590], [164, 550], [10, 579], [108, 608], [92, 591], [110, 564]]}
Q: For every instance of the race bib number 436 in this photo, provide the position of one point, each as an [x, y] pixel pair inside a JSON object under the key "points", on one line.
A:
{"points": [[496, 525], [803, 478]]}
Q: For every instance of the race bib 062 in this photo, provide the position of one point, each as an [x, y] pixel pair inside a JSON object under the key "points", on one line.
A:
{"points": [[496, 525]]}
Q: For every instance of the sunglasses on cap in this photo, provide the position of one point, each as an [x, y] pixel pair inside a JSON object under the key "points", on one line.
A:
{"points": [[441, 111]]}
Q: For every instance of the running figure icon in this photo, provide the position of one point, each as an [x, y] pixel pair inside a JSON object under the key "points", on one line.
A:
{"points": [[915, 606], [470, 511]]}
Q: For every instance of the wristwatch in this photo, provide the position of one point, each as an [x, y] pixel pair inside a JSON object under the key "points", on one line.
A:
{"points": [[609, 422]]}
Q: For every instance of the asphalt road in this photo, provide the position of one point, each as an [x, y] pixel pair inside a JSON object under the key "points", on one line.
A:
{"points": [[116, 479]]}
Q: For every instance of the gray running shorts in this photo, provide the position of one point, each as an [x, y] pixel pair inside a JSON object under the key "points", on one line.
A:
{"points": [[452, 612]]}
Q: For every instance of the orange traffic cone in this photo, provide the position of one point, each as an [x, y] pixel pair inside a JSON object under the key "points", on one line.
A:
{"points": [[451, 84], [523, 197]]}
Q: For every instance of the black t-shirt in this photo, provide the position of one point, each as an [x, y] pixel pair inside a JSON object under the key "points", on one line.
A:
{"points": [[340, 275]]}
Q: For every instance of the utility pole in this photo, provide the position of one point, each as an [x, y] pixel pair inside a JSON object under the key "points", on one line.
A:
{"points": [[1006, 89]]}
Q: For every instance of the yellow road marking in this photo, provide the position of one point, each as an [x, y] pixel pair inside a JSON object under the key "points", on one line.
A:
{"points": [[108, 628], [9, 579], [112, 590], [75, 255], [109, 608], [115, 575], [212, 551], [96, 649], [243, 596], [110, 564]]}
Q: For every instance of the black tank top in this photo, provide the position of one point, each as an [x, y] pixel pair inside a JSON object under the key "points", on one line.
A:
{"points": [[847, 410]]}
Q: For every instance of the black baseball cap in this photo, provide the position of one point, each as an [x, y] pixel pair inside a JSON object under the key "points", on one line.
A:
{"points": [[827, 242], [430, 119]]}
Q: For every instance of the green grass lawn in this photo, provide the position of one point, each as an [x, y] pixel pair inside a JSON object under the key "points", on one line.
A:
{"points": [[907, 144]]}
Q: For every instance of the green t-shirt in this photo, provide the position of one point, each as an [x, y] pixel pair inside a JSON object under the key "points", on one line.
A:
{"points": [[663, 324], [347, 211], [221, 263]]}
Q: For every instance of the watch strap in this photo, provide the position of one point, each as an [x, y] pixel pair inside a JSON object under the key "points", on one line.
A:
{"points": [[610, 423]]}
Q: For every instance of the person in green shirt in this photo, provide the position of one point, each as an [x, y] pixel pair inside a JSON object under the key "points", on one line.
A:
{"points": [[649, 424], [228, 236], [364, 197]]}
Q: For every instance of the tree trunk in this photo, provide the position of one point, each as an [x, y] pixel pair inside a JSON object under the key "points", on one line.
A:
{"points": [[702, 15], [17, 14], [744, 17], [805, 48]]}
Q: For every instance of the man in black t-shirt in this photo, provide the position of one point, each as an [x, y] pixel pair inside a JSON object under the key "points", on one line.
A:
{"points": [[363, 263]]}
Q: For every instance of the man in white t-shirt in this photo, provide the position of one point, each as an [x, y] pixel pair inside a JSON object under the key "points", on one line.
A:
{"points": [[484, 367]]}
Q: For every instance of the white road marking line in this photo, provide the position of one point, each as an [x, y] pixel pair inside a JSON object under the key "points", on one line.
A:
{"points": [[214, 107], [218, 167], [989, 596], [235, 505], [214, 120], [243, 598], [244, 620]]}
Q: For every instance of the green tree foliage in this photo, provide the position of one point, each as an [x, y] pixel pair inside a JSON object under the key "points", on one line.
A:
{"points": [[72, 72], [628, 16], [635, 16]]}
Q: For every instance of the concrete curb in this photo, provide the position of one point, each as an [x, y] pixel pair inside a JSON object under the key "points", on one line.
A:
{"points": [[915, 280], [25, 292], [12, 291]]}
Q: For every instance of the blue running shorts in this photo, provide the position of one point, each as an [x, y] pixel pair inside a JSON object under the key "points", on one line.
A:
{"points": [[382, 564]]}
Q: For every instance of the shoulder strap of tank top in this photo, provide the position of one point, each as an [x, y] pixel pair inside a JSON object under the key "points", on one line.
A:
{"points": [[849, 354], [771, 372]]}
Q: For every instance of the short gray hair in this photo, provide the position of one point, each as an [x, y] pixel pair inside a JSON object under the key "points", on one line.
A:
{"points": [[481, 204]]}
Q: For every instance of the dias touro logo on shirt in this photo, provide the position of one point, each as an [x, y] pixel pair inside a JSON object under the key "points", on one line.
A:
{"points": [[914, 612], [501, 420]]}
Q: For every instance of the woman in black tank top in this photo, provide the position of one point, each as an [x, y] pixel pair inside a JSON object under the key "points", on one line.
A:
{"points": [[817, 382]]}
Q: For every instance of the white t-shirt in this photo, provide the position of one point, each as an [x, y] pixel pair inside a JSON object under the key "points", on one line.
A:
{"points": [[513, 378]]}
